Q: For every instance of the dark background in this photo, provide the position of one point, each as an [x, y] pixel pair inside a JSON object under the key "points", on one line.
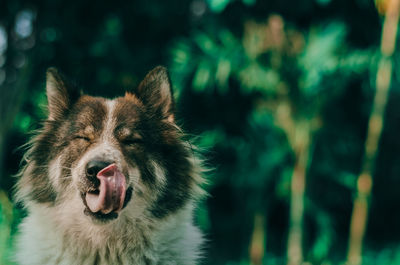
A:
{"points": [[230, 61]]}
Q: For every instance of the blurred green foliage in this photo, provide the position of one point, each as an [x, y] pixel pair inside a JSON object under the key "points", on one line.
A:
{"points": [[234, 63], [9, 218]]}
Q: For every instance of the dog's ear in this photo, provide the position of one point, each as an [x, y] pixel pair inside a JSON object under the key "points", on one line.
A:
{"points": [[155, 91], [59, 93]]}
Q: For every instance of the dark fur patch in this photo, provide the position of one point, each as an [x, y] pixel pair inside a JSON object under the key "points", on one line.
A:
{"points": [[160, 141], [177, 190]]}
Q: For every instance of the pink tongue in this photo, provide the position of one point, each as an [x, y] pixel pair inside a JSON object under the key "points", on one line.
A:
{"points": [[112, 191]]}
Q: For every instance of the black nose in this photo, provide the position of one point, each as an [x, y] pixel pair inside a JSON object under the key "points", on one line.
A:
{"points": [[94, 167]]}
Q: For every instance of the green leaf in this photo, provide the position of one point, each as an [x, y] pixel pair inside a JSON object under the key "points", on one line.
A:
{"points": [[202, 76], [218, 5]]}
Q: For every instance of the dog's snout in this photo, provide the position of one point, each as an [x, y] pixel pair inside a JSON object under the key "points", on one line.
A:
{"points": [[94, 167]]}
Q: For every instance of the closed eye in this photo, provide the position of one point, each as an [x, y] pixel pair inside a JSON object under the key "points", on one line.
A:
{"points": [[82, 138]]}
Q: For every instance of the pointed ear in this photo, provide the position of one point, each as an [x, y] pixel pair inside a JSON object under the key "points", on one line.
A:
{"points": [[155, 92], [58, 96]]}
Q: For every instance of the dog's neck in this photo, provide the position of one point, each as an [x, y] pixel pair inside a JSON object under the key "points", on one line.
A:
{"points": [[123, 241]]}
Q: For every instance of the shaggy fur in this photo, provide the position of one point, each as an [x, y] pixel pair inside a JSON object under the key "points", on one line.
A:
{"points": [[136, 133]]}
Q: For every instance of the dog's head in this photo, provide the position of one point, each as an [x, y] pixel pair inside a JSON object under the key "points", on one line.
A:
{"points": [[108, 157]]}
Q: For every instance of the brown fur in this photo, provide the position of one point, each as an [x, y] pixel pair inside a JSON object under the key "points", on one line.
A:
{"points": [[136, 132]]}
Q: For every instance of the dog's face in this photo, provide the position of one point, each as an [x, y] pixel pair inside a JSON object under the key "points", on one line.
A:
{"points": [[110, 157]]}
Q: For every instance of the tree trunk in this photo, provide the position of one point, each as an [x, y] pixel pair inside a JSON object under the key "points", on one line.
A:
{"points": [[301, 145], [359, 216]]}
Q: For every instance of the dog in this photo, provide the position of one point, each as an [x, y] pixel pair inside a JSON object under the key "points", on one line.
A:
{"points": [[109, 181]]}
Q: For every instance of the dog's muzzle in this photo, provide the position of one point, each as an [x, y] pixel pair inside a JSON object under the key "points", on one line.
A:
{"points": [[110, 195]]}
